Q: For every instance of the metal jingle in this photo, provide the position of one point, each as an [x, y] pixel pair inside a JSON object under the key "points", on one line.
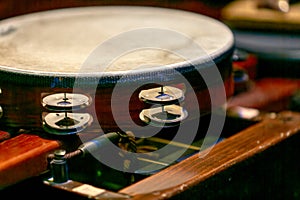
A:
{"points": [[65, 101], [66, 123], [170, 115], [1, 112], [162, 95]]}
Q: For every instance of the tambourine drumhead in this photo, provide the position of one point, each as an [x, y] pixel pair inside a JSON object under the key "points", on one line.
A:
{"points": [[58, 42]]}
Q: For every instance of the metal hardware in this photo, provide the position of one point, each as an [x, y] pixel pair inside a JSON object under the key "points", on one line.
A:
{"points": [[166, 112], [169, 115], [59, 168], [66, 123], [1, 112], [66, 101], [63, 121], [86, 190], [162, 95]]}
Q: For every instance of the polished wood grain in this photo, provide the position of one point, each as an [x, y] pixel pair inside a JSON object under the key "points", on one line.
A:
{"points": [[231, 151], [24, 156]]}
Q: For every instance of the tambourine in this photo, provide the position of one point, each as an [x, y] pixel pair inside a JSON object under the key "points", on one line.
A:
{"points": [[112, 66]]}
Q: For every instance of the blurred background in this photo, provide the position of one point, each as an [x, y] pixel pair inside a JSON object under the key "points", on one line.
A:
{"points": [[12, 8]]}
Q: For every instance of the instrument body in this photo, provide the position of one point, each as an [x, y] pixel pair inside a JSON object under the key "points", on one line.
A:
{"points": [[50, 52]]}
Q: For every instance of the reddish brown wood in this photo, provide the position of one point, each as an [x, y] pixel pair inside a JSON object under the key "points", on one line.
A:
{"points": [[269, 94], [27, 113], [13, 8], [231, 151], [24, 156], [4, 135]]}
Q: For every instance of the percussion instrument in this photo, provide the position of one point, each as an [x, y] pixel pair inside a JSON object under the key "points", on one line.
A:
{"points": [[65, 70]]}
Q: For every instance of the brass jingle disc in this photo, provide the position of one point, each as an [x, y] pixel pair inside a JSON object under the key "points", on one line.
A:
{"points": [[170, 115], [162, 95], [65, 101], [66, 123]]}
